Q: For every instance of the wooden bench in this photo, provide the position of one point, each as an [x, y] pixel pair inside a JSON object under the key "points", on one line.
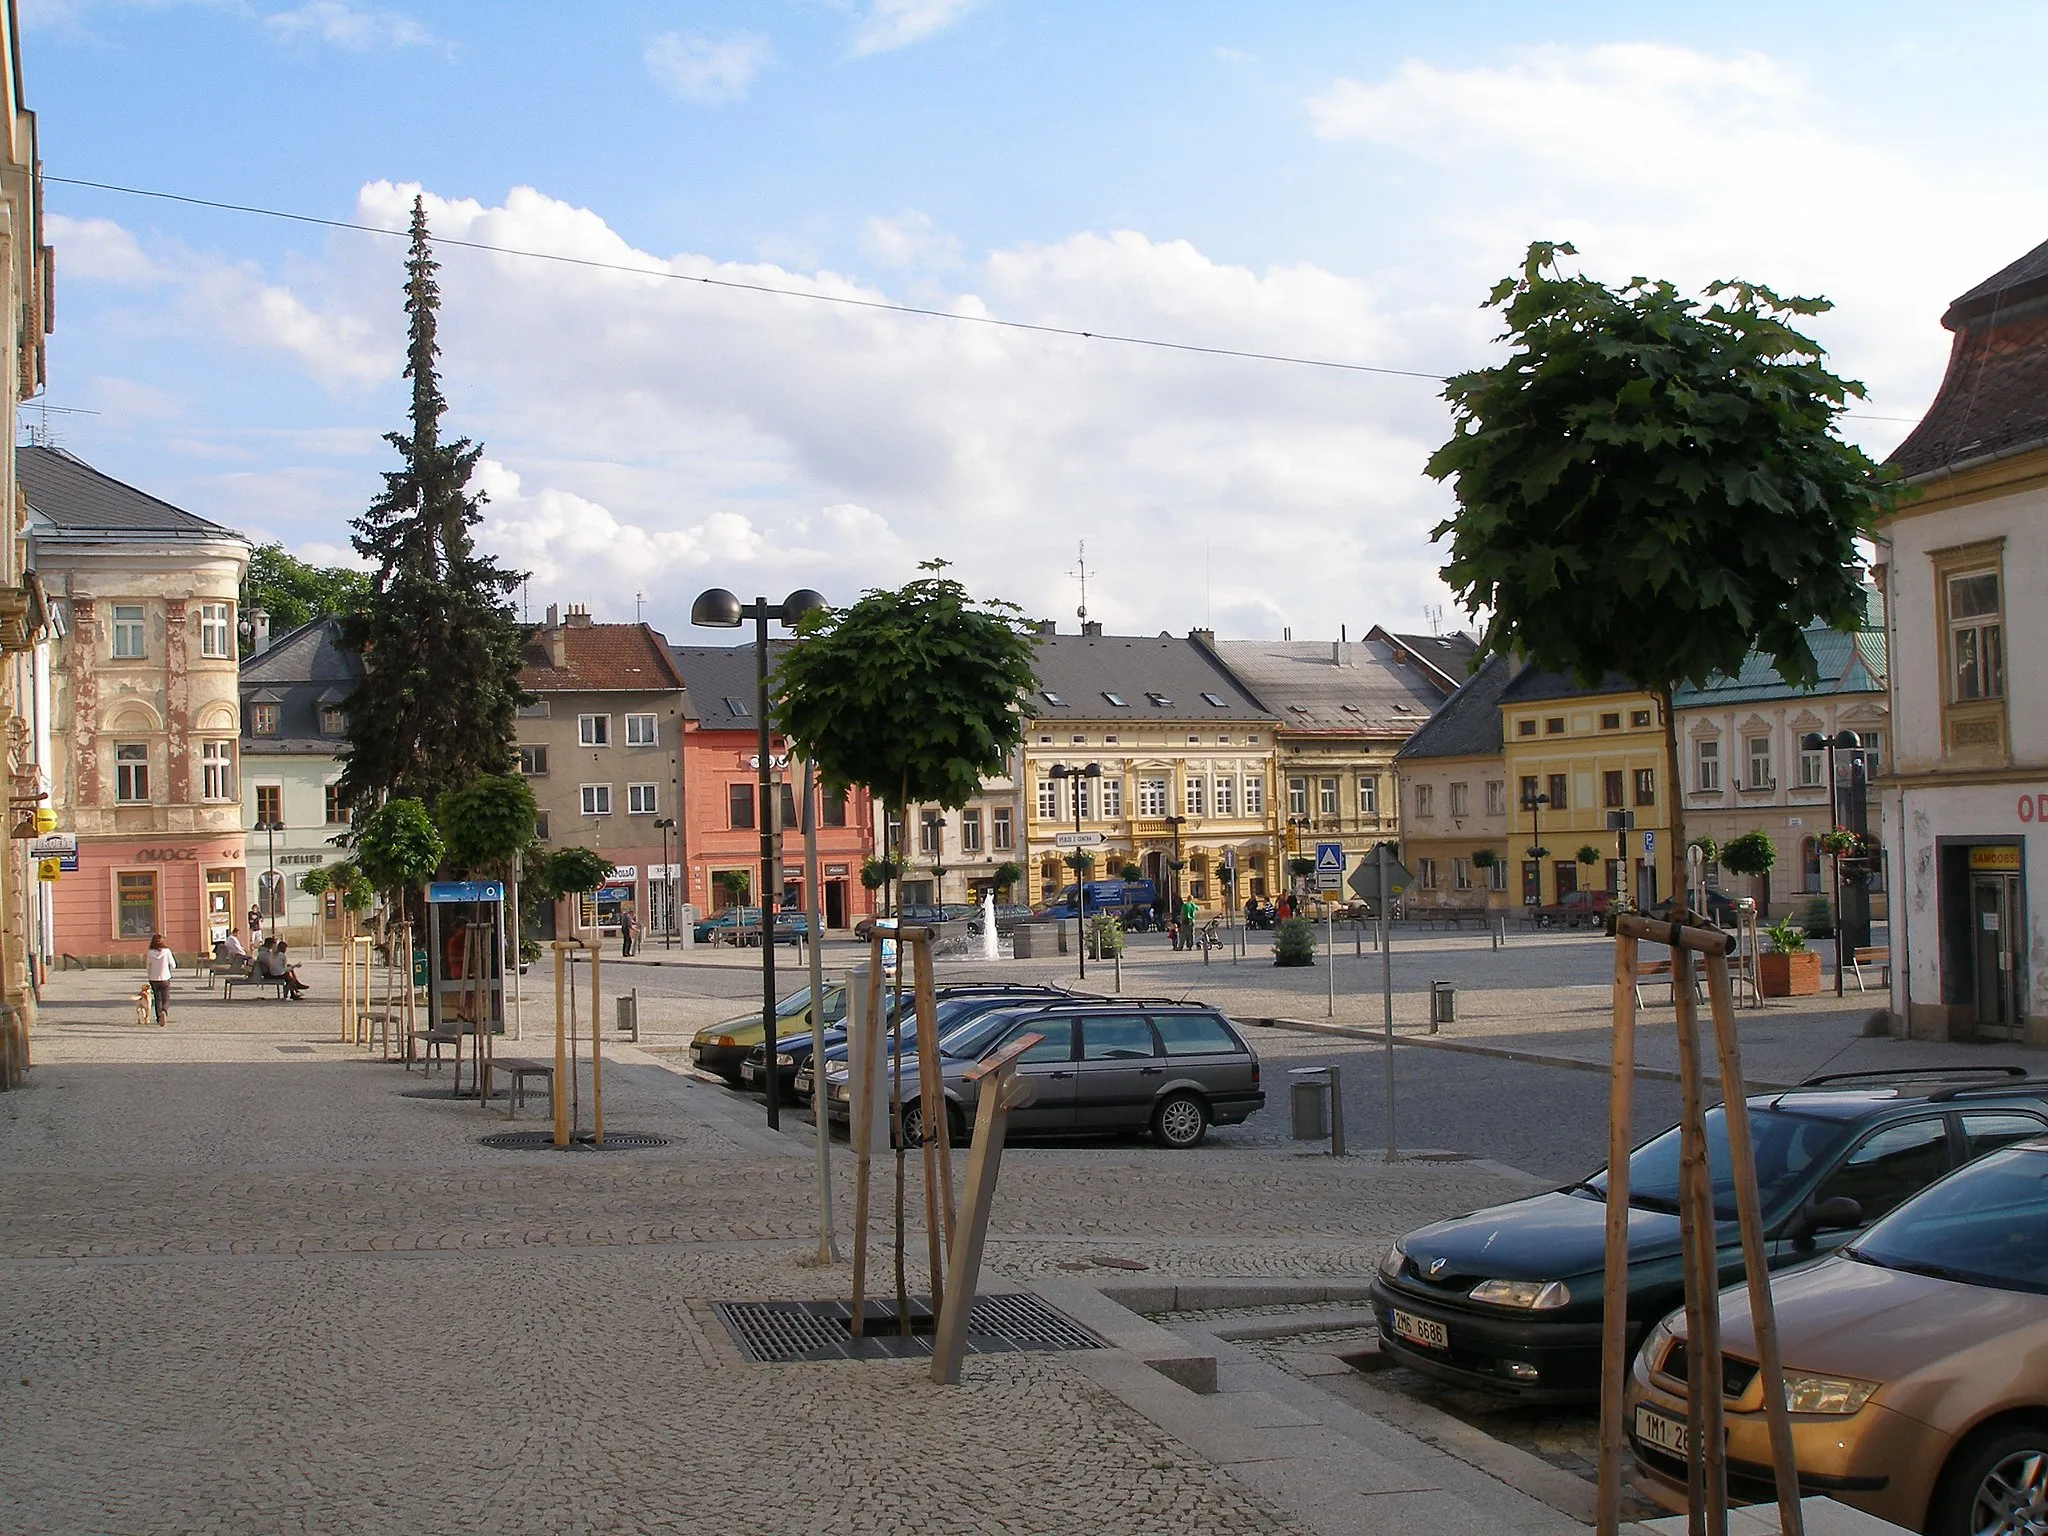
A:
{"points": [[1656, 971], [223, 970], [434, 1040], [245, 976], [1875, 955], [521, 1070]]}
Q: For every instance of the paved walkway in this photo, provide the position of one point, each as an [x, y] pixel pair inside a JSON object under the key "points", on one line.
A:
{"points": [[248, 1284]]}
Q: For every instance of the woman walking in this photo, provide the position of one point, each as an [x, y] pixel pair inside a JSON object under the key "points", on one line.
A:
{"points": [[157, 965]]}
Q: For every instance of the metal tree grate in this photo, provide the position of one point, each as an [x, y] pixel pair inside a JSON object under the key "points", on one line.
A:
{"points": [[779, 1332], [544, 1141]]}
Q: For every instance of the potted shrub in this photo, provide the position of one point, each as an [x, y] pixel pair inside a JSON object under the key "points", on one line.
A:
{"points": [[1787, 968], [1105, 936], [1130, 872], [1752, 854], [1817, 918], [1295, 942], [1588, 854], [1484, 858], [1537, 853]]}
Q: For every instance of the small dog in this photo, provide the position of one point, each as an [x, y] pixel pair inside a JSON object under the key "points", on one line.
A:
{"points": [[142, 1006]]}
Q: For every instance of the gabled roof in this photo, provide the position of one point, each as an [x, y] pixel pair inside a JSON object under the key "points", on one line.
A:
{"points": [[1994, 396], [1158, 678], [1533, 685], [1468, 725], [1848, 663], [599, 658], [1331, 687], [302, 671], [68, 496], [1449, 657], [720, 684]]}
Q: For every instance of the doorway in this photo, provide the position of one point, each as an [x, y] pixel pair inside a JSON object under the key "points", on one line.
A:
{"points": [[835, 903], [220, 904], [1996, 959], [1566, 873]]}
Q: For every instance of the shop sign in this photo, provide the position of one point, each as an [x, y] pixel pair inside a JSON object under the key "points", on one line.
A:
{"points": [[167, 855], [2033, 808], [2001, 860], [836, 871], [623, 874]]}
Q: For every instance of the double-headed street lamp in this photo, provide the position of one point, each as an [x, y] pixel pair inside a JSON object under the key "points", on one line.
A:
{"points": [[664, 825], [719, 609], [1847, 741], [1092, 772], [1534, 804], [273, 898]]}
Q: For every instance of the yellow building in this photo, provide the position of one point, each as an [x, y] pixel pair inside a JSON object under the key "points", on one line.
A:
{"points": [[1577, 759]]}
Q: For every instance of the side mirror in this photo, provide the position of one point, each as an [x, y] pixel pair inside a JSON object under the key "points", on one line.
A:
{"points": [[1837, 1213]]}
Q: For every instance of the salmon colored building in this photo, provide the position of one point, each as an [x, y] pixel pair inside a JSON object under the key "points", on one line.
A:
{"points": [[144, 705], [721, 798]]}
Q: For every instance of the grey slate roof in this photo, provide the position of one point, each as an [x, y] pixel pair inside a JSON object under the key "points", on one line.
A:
{"points": [[1448, 656], [1159, 677], [1852, 663], [1533, 685], [1469, 724], [70, 496], [302, 669], [717, 676], [1309, 689]]}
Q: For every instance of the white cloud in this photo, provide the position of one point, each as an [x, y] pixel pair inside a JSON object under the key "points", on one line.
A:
{"points": [[886, 25], [99, 250], [707, 68], [346, 25], [910, 239]]}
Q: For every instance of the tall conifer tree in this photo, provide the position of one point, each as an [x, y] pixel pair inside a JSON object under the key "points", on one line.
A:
{"points": [[440, 645]]}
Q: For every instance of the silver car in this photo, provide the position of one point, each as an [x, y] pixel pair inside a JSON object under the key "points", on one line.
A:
{"points": [[1172, 1068]]}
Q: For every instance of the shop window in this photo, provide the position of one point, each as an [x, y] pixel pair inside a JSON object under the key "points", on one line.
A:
{"points": [[128, 641], [216, 632], [131, 775], [135, 904]]}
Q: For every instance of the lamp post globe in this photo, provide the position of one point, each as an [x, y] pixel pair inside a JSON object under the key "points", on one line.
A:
{"points": [[716, 609], [801, 603]]}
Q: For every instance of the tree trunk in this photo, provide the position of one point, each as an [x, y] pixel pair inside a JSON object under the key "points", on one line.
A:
{"points": [[1675, 799]]}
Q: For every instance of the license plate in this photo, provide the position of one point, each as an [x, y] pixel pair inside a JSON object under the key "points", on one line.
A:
{"points": [[1660, 1433], [803, 1082], [697, 1054], [1421, 1330], [749, 1072]]}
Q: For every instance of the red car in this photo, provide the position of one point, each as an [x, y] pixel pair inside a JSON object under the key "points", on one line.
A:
{"points": [[1578, 907]]}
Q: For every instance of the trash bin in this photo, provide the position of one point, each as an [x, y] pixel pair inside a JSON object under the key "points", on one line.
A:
{"points": [[1311, 1101], [419, 968], [629, 1015], [1442, 1004]]}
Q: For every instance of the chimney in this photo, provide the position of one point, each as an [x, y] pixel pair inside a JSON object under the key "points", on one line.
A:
{"points": [[555, 640], [1047, 627], [1287, 633], [259, 631], [1340, 654], [1091, 626], [579, 616], [554, 617], [1205, 638]]}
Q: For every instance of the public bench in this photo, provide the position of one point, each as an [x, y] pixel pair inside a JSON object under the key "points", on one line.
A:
{"points": [[521, 1070], [1654, 972], [1876, 955], [242, 974]]}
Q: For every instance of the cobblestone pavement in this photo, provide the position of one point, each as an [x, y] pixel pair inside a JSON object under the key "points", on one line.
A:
{"points": [[251, 1286]]}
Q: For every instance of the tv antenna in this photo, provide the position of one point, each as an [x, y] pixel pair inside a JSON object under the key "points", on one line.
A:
{"points": [[1081, 574], [1434, 612]]}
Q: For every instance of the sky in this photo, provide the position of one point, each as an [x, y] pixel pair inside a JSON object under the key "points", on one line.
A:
{"points": [[1336, 182]]}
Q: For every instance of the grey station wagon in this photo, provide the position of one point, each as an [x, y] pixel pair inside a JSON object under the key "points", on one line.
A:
{"points": [[1130, 1064]]}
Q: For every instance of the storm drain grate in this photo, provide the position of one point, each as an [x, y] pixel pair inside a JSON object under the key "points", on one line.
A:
{"points": [[779, 1332], [447, 1093], [295, 1050], [544, 1141]]}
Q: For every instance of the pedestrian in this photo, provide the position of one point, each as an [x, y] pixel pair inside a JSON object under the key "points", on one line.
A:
{"points": [[255, 924], [1187, 922], [629, 931], [157, 965], [1251, 911], [1286, 909]]}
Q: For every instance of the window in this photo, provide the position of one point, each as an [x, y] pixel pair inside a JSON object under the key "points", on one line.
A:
{"points": [[642, 731], [336, 812], [333, 720], [739, 806], [1159, 700], [1254, 795], [1496, 797], [1528, 791], [1638, 718], [1297, 797], [1646, 786], [1611, 722], [999, 829], [128, 641], [1809, 864], [1056, 1042], [1113, 1039], [540, 825], [1525, 727], [1116, 699], [737, 708], [135, 896], [1425, 873], [1560, 797], [1760, 762], [1873, 753], [1050, 697], [263, 720], [931, 831], [1612, 789], [533, 762], [1976, 637], [597, 799], [1084, 799], [1987, 1131], [1461, 802], [1554, 726], [1812, 769], [539, 709], [1326, 797], [1112, 797], [1079, 741], [594, 730], [641, 800], [1497, 875], [1425, 799], [1888, 1165], [1461, 874], [1226, 796], [970, 831], [831, 809], [1369, 795], [216, 633], [1194, 796], [217, 774], [1194, 1034], [131, 775], [785, 807], [1048, 799], [1151, 797], [1214, 701], [269, 803], [1707, 761]]}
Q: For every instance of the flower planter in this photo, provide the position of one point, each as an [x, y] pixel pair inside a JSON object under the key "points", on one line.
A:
{"points": [[1794, 975]]}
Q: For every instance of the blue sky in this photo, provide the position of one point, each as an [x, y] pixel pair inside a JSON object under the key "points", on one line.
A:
{"points": [[1332, 180]]}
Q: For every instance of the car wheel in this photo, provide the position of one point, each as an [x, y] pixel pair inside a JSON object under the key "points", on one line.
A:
{"points": [[1996, 1484], [1180, 1122]]}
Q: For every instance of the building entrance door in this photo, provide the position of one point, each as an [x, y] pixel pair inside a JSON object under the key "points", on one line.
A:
{"points": [[835, 903], [1566, 873], [220, 904], [1994, 937]]}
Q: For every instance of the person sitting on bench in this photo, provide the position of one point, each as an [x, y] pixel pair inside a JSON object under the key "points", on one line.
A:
{"points": [[228, 948], [271, 965]]}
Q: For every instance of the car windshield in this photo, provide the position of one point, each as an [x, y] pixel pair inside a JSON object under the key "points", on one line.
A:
{"points": [[1787, 1148], [1985, 1224], [970, 1035]]}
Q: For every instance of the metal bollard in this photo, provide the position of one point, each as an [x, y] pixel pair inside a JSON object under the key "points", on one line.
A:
{"points": [[1442, 1005]]}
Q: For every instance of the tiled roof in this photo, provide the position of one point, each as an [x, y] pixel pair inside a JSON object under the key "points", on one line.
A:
{"points": [[1448, 656], [1848, 663], [1468, 725], [1158, 677], [70, 496], [301, 670], [1309, 688], [1994, 396], [720, 680], [599, 658]]}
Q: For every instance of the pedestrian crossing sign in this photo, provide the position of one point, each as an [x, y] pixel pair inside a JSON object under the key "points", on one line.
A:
{"points": [[1329, 866]]}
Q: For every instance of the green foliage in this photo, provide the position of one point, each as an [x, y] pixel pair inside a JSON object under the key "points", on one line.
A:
{"points": [[1587, 854], [1006, 875], [1783, 938], [876, 873], [733, 885], [1650, 488], [1301, 867], [1133, 872], [1105, 937], [358, 895], [487, 822], [399, 847], [1484, 858], [916, 695], [1817, 918], [437, 635], [1753, 853], [316, 881], [1294, 942], [1081, 862], [573, 870], [294, 593], [1710, 851]]}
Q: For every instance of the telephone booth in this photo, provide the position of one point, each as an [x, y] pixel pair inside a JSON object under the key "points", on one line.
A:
{"points": [[465, 956]]}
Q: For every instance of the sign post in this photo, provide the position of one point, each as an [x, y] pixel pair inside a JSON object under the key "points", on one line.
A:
{"points": [[1379, 880], [1329, 879]]}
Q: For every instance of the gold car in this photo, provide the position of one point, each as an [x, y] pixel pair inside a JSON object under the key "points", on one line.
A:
{"points": [[722, 1048], [1916, 1365]]}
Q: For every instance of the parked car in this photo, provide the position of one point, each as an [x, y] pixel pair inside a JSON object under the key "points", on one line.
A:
{"points": [[962, 1022], [722, 1048], [742, 925], [1008, 916], [1509, 1298], [1916, 1361], [1577, 909], [911, 915], [955, 1003], [1118, 1065]]}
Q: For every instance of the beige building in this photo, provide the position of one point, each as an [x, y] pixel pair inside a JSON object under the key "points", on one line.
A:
{"points": [[955, 856], [1457, 831]]}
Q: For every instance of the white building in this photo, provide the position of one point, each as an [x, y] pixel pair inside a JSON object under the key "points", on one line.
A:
{"points": [[1965, 797]]}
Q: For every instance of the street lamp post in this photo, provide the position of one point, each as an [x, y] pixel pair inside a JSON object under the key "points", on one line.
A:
{"points": [[1848, 741], [719, 609], [663, 825], [1534, 804], [272, 896], [1082, 864], [1173, 915]]}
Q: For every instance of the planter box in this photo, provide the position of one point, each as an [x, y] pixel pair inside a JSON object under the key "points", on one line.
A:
{"points": [[1795, 975]]}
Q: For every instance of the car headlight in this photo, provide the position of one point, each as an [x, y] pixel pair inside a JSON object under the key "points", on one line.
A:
{"points": [[1526, 1295], [1826, 1394], [1390, 1265], [784, 1059], [840, 1094]]}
